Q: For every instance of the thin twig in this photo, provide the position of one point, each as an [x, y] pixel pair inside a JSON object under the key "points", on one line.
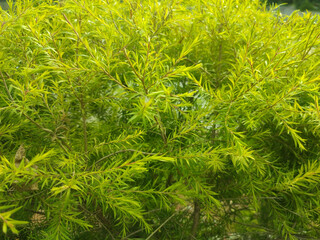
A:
{"points": [[161, 226], [135, 71], [121, 151]]}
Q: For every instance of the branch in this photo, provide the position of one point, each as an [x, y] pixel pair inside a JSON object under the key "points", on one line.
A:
{"points": [[196, 218], [135, 71], [121, 151]]}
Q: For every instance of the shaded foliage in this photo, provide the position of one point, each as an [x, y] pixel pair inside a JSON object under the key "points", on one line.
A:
{"points": [[303, 5]]}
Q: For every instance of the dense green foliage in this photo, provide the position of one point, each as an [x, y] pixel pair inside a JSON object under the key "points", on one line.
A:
{"points": [[138, 119]]}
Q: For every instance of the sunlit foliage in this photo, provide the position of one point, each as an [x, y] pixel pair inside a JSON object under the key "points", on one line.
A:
{"points": [[165, 119]]}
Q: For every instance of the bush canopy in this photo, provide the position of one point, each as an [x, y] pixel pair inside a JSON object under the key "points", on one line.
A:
{"points": [[167, 119]]}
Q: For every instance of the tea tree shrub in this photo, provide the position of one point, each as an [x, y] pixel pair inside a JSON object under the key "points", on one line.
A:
{"points": [[158, 120]]}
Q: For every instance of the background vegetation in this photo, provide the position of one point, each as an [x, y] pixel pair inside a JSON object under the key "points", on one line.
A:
{"points": [[158, 120], [3, 4], [299, 4]]}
